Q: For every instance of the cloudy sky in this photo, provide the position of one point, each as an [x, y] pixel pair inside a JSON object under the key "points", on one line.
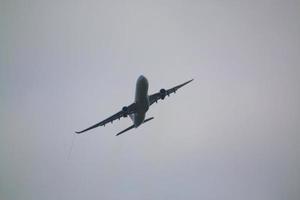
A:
{"points": [[231, 134]]}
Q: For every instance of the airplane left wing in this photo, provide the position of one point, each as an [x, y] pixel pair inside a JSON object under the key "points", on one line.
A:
{"points": [[163, 93], [123, 113]]}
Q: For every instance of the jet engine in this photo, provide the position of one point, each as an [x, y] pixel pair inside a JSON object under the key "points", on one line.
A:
{"points": [[163, 93], [125, 110]]}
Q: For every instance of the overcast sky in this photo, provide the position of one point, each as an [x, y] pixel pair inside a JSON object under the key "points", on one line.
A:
{"points": [[231, 134]]}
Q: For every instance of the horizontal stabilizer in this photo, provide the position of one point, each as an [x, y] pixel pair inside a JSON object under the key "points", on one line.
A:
{"points": [[132, 126], [127, 129], [148, 119]]}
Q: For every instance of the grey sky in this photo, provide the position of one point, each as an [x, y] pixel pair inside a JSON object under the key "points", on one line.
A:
{"points": [[231, 134]]}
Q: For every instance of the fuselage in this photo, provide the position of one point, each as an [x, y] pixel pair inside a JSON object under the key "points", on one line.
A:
{"points": [[141, 100]]}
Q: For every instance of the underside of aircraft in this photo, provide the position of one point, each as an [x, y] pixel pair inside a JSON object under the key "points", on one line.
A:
{"points": [[137, 110]]}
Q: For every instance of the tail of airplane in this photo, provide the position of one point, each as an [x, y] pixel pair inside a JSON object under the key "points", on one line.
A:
{"points": [[132, 126]]}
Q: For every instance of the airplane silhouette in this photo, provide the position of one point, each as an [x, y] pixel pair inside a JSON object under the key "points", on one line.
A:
{"points": [[137, 110]]}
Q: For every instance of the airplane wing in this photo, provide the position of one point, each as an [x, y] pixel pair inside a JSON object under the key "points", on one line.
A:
{"points": [[123, 113], [163, 93]]}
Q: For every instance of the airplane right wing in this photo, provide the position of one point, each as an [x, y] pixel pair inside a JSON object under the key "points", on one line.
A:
{"points": [[127, 110], [163, 93]]}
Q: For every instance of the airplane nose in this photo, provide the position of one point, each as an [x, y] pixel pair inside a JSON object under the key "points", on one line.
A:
{"points": [[142, 78]]}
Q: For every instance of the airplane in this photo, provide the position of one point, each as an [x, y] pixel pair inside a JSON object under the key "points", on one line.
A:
{"points": [[137, 110]]}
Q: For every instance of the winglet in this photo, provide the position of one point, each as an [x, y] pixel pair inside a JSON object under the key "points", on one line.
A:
{"points": [[183, 84], [189, 81]]}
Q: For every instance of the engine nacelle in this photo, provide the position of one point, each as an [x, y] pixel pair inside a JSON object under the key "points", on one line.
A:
{"points": [[125, 110], [163, 93]]}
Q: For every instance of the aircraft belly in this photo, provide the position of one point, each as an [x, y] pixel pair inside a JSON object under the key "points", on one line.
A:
{"points": [[141, 100], [139, 119]]}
